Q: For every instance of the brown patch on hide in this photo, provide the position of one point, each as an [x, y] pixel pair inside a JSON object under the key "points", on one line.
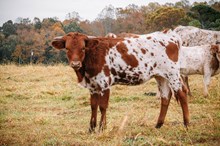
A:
{"points": [[172, 51], [129, 59]]}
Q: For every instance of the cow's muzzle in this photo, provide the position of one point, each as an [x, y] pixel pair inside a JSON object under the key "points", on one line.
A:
{"points": [[76, 65]]}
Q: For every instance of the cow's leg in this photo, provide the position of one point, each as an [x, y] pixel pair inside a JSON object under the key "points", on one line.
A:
{"points": [[158, 90], [207, 79], [103, 105], [181, 95], [94, 106], [163, 110], [186, 82], [165, 94]]}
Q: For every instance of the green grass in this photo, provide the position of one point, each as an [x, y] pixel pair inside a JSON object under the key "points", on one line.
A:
{"points": [[42, 105]]}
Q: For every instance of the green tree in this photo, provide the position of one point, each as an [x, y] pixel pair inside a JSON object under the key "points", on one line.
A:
{"points": [[72, 27], [206, 15], [7, 47], [184, 4], [195, 23], [37, 23], [8, 28]]}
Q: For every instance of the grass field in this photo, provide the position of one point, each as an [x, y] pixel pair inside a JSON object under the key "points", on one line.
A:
{"points": [[43, 105]]}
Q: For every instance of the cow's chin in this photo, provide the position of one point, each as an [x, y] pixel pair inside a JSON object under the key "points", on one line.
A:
{"points": [[76, 68]]}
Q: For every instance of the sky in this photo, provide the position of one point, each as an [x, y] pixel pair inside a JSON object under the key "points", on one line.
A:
{"points": [[87, 9]]}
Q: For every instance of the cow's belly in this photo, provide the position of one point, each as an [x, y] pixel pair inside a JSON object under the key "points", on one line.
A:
{"points": [[187, 71], [101, 82], [131, 76], [129, 80]]}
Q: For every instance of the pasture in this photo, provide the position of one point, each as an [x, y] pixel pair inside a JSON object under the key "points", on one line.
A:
{"points": [[43, 105]]}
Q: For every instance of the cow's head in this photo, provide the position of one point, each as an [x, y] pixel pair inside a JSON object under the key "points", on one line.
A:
{"points": [[216, 50], [75, 44]]}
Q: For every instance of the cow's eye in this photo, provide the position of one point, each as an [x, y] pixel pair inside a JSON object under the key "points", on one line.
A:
{"points": [[83, 49]]}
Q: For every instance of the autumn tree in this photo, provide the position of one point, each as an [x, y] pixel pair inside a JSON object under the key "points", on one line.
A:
{"points": [[28, 42], [215, 4], [164, 17], [98, 28], [86, 26], [51, 28], [130, 19]]}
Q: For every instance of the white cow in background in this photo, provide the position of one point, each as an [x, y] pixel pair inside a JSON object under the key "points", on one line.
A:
{"points": [[204, 60], [193, 36], [198, 53]]}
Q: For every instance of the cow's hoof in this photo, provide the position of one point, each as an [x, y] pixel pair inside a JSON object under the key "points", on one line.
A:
{"points": [[91, 130], [186, 124], [159, 125]]}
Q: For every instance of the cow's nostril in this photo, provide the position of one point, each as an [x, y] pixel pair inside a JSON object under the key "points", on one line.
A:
{"points": [[76, 64]]}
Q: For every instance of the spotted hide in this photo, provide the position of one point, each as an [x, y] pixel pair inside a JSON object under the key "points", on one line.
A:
{"points": [[193, 36], [204, 60], [102, 62]]}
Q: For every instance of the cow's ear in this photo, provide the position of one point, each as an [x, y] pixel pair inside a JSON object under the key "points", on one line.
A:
{"points": [[91, 43], [214, 48], [58, 43]]}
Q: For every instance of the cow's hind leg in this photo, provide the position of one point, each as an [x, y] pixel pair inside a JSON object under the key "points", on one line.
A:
{"points": [[181, 95], [103, 105], [165, 94]]}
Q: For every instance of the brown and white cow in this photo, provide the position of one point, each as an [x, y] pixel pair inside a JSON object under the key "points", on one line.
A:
{"points": [[193, 36], [102, 62], [204, 60]]}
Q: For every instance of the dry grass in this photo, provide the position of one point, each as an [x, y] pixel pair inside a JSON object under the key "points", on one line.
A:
{"points": [[42, 105]]}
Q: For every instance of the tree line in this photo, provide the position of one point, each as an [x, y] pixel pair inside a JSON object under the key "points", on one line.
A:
{"points": [[29, 41]]}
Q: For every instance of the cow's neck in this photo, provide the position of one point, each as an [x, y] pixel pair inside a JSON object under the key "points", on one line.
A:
{"points": [[94, 61], [80, 74]]}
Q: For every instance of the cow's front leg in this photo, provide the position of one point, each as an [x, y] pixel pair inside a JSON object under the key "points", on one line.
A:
{"points": [[186, 82], [103, 105], [165, 93], [163, 110], [207, 79], [94, 106]]}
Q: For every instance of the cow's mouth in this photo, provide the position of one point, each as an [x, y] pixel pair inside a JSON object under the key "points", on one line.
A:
{"points": [[76, 65]]}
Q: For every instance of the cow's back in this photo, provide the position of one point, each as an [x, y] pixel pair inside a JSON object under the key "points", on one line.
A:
{"points": [[193, 36]]}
